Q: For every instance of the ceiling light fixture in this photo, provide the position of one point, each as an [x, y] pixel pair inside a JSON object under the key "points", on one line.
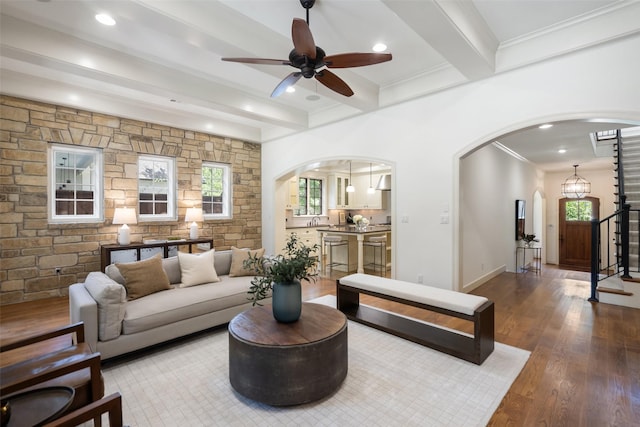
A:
{"points": [[350, 188], [545, 126], [379, 47], [575, 187], [371, 190], [105, 19], [562, 151], [291, 89]]}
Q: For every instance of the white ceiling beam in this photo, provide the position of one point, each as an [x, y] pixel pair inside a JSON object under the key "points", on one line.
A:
{"points": [[611, 23], [33, 44], [455, 29], [121, 103]]}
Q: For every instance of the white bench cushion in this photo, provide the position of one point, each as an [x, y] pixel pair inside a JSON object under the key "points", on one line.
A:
{"points": [[443, 298]]}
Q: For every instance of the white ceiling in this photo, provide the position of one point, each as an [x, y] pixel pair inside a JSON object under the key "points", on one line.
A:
{"points": [[161, 62]]}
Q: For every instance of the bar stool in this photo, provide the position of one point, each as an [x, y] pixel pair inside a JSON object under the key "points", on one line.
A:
{"points": [[378, 245], [331, 242]]}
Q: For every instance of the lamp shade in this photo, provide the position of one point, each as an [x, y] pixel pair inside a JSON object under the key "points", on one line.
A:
{"points": [[194, 215], [125, 216]]}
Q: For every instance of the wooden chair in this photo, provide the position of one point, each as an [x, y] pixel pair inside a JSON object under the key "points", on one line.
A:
{"points": [[112, 405], [74, 366]]}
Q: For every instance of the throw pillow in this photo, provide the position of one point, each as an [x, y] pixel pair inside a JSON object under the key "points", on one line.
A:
{"points": [[238, 256], [144, 277], [111, 298], [197, 269]]}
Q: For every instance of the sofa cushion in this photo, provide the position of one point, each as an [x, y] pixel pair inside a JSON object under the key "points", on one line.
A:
{"points": [[238, 257], [197, 268], [111, 298], [171, 266], [144, 277], [163, 308], [222, 262]]}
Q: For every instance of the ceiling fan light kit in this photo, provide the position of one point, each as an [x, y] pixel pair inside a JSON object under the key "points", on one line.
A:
{"points": [[312, 61]]}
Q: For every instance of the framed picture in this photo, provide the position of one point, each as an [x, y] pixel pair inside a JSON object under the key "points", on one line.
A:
{"points": [[520, 218]]}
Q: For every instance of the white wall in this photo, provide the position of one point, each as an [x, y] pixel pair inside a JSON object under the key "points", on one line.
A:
{"points": [[425, 138], [490, 182]]}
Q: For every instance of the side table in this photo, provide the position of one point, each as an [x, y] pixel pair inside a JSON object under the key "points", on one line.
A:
{"points": [[536, 259], [38, 406], [288, 363]]}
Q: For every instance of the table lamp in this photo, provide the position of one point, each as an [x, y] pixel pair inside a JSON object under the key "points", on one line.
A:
{"points": [[124, 216], [193, 215]]}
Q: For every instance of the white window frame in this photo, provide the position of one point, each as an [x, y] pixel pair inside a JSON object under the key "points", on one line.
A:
{"points": [[95, 181], [227, 191], [171, 190]]}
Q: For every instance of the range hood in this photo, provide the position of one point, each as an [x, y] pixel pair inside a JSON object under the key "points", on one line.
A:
{"points": [[384, 183]]}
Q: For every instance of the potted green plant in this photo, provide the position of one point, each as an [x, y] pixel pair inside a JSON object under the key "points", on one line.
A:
{"points": [[528, 238], [282, 275]]}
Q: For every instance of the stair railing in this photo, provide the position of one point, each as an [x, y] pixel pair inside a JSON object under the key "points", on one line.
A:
{"points": [[614, 228]]}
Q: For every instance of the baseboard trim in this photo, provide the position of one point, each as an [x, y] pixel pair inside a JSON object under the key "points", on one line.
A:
{"points": [[483, 279]]}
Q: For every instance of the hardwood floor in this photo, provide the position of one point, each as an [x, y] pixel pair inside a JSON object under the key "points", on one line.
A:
{"points": [[584, 368]]}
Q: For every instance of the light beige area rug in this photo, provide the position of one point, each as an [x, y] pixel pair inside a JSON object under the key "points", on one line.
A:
{"points": [[390, 382]]}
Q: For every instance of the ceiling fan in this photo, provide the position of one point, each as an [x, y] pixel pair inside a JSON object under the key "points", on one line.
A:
{"points": [[312, 61]]}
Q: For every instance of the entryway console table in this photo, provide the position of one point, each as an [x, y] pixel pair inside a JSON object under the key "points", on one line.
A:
{"points": [[137, 251], [536, 259]]}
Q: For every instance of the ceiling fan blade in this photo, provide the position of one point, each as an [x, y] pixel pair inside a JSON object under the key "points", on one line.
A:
{"points": [[302, 38], [333, 82], [346, 60], [290, 80], [259, 61]]}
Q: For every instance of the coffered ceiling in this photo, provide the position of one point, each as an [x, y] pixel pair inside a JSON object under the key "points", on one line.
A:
{"points": [[161, 61]]}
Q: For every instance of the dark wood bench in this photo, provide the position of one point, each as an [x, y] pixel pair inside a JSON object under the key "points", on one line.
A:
{"points": [[473, 308]]}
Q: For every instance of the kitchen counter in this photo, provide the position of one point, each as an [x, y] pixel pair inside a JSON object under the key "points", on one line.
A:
{"points": [[350, 230]]}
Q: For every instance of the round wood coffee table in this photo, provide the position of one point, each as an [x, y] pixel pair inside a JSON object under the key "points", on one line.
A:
{"points": [[288, 363]]}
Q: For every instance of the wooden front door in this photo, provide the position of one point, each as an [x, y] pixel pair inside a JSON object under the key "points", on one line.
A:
{"points": [[575, 231]]}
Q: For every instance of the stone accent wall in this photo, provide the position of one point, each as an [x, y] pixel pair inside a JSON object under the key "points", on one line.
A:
{"points": [[31, 248]]}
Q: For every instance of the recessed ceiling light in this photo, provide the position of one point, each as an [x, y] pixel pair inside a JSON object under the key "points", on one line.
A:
{"points": [[312, 98], [291, 89], [562, 151], [379, 47], [105, 19], [209, 126], [74, 97], [545, 126]]}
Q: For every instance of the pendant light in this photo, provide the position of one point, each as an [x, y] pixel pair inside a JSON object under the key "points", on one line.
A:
{"points": [[575, 187], [371, 190], [350, 187]]}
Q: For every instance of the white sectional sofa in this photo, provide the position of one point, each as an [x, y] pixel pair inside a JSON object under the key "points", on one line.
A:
{"points": [[115, 324]]}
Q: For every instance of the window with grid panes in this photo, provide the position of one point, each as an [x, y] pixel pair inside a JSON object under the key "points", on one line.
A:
{"points": [[310, 196]]}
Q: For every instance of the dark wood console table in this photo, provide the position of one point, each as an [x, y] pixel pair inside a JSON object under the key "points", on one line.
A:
{"points": [[106, 251]]}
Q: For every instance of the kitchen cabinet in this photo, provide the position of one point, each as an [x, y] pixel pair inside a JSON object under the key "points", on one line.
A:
{"points": [[293, 196], [338, 196], [307, 235], [361, 197]]}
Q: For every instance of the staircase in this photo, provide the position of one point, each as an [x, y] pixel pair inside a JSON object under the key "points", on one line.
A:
{"points": [[618, 281]]}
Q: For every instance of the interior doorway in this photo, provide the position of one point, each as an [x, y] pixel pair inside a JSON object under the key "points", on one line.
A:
{"points": [[575, 231]]}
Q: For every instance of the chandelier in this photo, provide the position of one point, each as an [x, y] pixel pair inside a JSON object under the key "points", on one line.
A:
{"points": [[575, 187]]}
